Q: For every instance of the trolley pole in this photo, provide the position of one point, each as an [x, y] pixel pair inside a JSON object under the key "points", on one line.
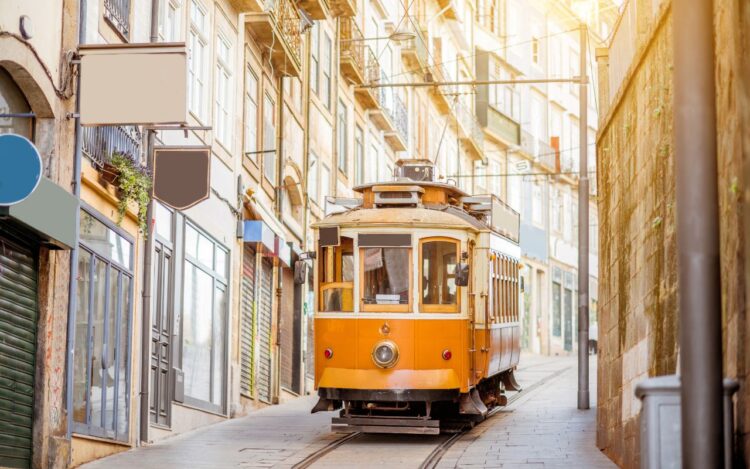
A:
{"points": [[583, 233]]}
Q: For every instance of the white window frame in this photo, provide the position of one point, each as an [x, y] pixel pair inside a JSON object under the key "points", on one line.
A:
{"points": [[199, 58], [223, 102], [250, 122]]}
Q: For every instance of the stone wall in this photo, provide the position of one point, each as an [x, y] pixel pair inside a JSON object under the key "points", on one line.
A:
{"points": [[638, 271]]}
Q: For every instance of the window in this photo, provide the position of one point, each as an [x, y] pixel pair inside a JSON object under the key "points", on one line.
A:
{"points": [[535, 50], [386, 279], [12, 100], [505, 288], [204, 320], [574, 70], [438, 291], [359, 155], [336, 271], [312, 178], [101, 367], [269, 139], [315, 56], [325, 185], [169, 20], [371, 174], [197, 94], [556, 309], [251, 116], [536, 204], [326, 85], [223, 111], [342, 137]]}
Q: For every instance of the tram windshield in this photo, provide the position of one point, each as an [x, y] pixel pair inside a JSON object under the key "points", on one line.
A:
{"points": [[439, 292], [386, 274], [336, 264]]}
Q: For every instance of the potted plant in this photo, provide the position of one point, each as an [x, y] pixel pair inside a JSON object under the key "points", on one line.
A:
{"points": [[134, 184]]}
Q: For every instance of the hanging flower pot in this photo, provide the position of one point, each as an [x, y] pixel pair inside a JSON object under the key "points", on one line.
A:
{"points": [[109, 173], [133, 185]]}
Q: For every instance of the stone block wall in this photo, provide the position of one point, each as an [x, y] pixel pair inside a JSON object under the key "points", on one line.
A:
{"points": [[638, 265]]}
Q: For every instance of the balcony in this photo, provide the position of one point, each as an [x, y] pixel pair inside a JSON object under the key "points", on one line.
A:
{"points": [[278, 28], [414, 52], [343, 8], [369, 98], [352, 59], [381, 115], [117, 13], [100, 143], [399, 136], [503, 126], [441, 95], [317, 9], [470, 130]]}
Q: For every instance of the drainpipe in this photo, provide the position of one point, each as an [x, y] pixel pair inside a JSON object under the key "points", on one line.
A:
{"points": [[73, 283], [148, 249], [697, 234], [305, 169], [278, 212]]}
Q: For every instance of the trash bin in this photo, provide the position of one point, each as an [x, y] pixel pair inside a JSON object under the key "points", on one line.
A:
{"points": [[661, 434]]}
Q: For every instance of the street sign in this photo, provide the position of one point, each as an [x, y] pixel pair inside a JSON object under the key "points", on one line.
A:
{"points": [[20, 169], [523, 166], [182, 175]]}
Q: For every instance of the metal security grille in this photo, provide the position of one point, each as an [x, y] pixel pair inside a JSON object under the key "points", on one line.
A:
{"points": [[248, 326], [18, 325], [264, 331], [286, 329]]}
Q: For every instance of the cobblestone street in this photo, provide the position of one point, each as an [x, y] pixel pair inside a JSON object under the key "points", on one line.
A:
{"points": [[541, 428]]}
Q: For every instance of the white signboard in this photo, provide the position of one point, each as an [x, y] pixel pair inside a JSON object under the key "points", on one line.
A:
{"points": [[133, 84], [523, 167]]}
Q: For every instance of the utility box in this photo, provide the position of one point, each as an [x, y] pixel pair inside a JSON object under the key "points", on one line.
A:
{"points": [[661, 422]]}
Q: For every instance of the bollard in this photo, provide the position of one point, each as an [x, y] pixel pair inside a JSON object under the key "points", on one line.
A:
{"points": [[661, 443]]}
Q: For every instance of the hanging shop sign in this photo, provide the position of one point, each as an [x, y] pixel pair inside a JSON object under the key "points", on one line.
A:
{"points": [[20, 169], [182, 175], [133, 84]]}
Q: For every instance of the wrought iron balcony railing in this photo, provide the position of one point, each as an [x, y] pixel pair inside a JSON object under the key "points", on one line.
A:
{"points": [[399, 117], [415, 50], [472, 128], [100, 143], [117, 12], [352, 50], [278, 27]]}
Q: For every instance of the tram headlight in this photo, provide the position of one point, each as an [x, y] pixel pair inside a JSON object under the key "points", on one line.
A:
{"points": [[385, 354]]}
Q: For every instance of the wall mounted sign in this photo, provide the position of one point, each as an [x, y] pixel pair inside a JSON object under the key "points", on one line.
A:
{"points": [[20, 169], [182, 175], [133, 83]]}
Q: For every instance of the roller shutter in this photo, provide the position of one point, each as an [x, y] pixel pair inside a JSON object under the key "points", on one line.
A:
{"points": [[248, 318], [286, 326], [18, 323], [265, 315]]}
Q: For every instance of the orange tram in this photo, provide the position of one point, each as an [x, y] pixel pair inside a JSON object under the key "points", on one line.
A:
{"points": [[417, 300]]}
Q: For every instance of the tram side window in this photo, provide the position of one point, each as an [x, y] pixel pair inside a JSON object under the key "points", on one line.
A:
{"points": [[336, 264], [438, 280], [386, 274]]}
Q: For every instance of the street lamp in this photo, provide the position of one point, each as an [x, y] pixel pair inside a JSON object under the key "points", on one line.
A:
{"points": [[396, 36]]}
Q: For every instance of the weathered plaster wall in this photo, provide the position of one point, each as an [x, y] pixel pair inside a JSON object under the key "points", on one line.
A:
{"points": [[638, 271]]}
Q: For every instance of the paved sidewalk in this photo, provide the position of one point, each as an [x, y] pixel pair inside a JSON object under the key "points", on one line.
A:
{"points": [[542, 429]]}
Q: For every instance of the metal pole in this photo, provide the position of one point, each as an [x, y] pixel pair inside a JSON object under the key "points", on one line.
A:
{"points": [[148, 248], [73, 282], [697, 234], [583, 233]]}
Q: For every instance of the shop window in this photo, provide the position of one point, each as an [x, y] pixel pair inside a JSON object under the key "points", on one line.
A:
{"points": [[205, 320], [336, 274], [101, 365], [438, 291]]}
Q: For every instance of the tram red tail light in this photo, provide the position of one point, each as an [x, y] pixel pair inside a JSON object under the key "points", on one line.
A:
{"points": [[447, 354], [328, 353]]}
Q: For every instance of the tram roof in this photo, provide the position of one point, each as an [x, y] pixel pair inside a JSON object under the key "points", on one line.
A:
{"points": [[450, 189], [440, 216]]}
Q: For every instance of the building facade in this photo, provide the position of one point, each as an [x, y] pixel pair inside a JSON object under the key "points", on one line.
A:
{"points": [[195, 316]]}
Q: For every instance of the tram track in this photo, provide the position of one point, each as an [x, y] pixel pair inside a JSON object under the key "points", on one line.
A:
{"points": [[434, 457]]}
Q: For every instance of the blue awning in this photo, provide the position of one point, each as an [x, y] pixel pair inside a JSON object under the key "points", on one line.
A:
{"points": [[257, 231]]}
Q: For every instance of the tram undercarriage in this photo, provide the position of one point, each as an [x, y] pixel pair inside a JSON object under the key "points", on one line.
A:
{"points": [[415, 411]]}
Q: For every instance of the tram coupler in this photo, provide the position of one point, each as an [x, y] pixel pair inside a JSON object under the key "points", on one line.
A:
{"points": [[385, 424]]}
